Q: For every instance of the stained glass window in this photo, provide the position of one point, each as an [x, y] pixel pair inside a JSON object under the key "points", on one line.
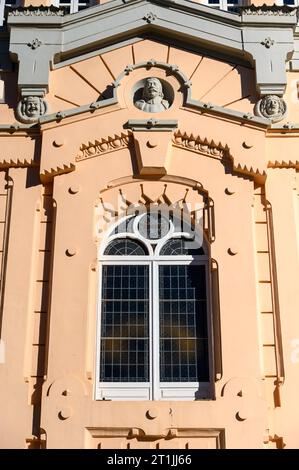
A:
{"points": [[183, 323], [153, 319], [180, 246], [125, 246], [125, 324]]}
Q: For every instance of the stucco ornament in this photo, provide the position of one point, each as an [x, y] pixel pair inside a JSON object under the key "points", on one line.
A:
{"points": [[152, 97], [31, 108], [271, 107], [34, 44]]}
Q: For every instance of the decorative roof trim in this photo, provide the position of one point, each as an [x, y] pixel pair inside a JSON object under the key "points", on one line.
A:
{"points": [[113, 6], [271, 11], [268, 10], [37, 11]]}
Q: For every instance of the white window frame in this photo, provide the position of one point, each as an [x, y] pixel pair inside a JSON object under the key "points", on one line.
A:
{"points": [[154, 389], [74, 4], [3, 4], [281, 3], [223, 4]]}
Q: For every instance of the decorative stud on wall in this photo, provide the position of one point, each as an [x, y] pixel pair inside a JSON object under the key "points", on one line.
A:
{"points": [[74, 189], [71, 251]]}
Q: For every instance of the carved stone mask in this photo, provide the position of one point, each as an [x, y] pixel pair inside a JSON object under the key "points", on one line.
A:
{"points": [[32, 106], [271, 107]]}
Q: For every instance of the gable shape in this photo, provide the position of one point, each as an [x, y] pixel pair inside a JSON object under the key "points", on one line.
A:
{"points": [[60, 37]]}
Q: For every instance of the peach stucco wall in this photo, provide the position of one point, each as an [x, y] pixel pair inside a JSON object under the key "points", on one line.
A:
{"points": [[213, 81], [52, 192]]}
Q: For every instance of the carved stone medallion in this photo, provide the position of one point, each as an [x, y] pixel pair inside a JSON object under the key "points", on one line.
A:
{"points": [[271, 107], [30, 108]]}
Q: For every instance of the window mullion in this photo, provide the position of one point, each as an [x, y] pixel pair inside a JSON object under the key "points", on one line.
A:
{"points": [[155, 333], [223, 4], [74, 6]]}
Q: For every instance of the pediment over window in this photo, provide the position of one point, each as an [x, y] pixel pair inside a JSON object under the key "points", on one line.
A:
{"points": [[222, 83]]}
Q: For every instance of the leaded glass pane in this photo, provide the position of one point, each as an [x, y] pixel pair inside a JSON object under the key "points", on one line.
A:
{"points": [[179, 246], [125, 324], [126, 226], [153, 226], [183, 323], [125, 246]]}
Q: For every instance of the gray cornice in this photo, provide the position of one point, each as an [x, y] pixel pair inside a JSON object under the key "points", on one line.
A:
{"points": [[265, 38], [206, 108], [189, 103]]}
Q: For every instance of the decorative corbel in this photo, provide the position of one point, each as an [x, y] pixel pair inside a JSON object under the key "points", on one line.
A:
{"points": [[153, 142], [268, 37]]}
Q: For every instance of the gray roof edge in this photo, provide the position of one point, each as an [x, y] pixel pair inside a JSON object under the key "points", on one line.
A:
{"points": [[36, 15], [271, 16]]}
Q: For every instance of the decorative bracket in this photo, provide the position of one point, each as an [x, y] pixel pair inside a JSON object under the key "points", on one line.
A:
{"points": [[152, 124], [153, 142]]}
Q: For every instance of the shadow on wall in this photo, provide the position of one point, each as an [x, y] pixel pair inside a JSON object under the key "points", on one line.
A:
{"points": [[10, 80]]}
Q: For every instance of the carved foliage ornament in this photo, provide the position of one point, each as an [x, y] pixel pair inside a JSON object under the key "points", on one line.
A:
{"points": [[271, 107], [31, 108]]}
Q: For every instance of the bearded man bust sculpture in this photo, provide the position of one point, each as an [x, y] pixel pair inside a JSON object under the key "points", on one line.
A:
{"points": [[152, 97]]}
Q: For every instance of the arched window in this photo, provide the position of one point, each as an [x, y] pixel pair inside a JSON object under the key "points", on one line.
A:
{"points": [[154, 327]]}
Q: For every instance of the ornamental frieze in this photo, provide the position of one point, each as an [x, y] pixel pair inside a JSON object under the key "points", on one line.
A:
{"points": [[197, 144], [103, 146]]}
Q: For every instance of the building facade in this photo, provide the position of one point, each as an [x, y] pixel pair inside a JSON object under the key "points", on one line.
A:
{"points": [[150, 225]]}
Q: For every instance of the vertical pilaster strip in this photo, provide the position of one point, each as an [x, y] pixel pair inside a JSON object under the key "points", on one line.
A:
{"points": [[272, 361], [41, 307], [6, 189]]}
